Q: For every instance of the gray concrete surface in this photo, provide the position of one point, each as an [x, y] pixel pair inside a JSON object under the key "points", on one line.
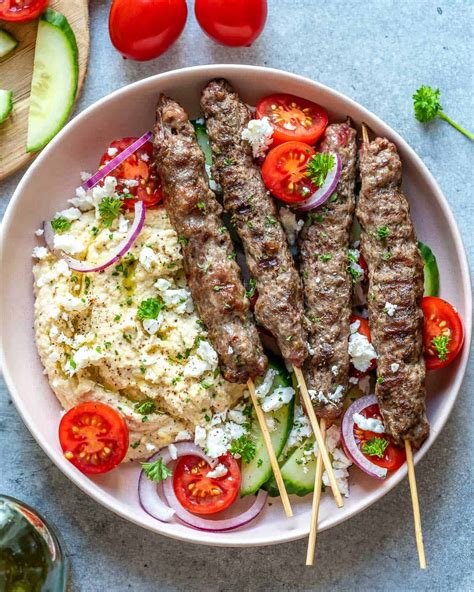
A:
{"points": [[378, 53]]}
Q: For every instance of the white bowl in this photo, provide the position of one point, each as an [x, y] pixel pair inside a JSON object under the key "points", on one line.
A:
{"points": [[52, 178]]}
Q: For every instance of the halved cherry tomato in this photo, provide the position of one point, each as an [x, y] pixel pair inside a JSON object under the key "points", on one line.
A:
{"points": [[138, 167], [21, 10], [284, 172], [443, 333], [363, 329], [201, 494], [93, 437], [293, 118], [393, 457]]}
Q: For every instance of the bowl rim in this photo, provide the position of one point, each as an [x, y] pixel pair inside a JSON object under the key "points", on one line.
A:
{"points": [[194, 536]]}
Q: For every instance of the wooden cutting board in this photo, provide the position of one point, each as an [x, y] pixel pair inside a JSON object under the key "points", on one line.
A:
{"points": [[16, 70]]}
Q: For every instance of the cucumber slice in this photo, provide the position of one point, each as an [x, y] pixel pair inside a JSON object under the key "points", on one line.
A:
{"points": [[6, 104], [259, 470], [203, 140], [431, 271], [55, 76], [7, 43]]}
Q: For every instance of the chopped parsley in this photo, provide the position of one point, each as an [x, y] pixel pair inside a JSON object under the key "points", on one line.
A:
{"points": [[201, 205], [60, 224], [270, 221], [325, 257], [375, 447], [150, 308], [222, 229], [259, 463], [440, 343], [218, 288], [333, 197], [109, 210], [135, 444], [380, 379], [175, 380], [232, 256], [145, 407], [252, 287], [387, 255], [157, 471], [319, 166], [383, 232], [228, 162], [245, 447]]}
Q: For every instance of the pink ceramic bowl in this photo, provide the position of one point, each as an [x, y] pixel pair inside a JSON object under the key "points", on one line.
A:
{"points": [[52, 178]]}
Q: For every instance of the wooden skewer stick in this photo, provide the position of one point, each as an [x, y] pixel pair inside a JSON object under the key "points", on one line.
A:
{"points": [[271, 453], [319, 437], [313, 531], [415, 504], [410, 466]]}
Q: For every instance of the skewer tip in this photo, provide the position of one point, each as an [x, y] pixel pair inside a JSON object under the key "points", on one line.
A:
{"points": [[365, 133]]}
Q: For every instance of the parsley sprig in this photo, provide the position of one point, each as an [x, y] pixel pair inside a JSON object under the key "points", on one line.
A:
{"points": [[375, 447], [252, 287], [145, 407], [440, 343], [245, 447], [319, 166], [150, 308], [109, 210], [157, 471], [427, 106], [60, 224]]}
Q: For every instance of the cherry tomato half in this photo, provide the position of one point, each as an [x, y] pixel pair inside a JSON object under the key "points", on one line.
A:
{"points": [[201, 494], [93, 437], [21, 10], [363, 329], [284, 172], [443, 333], [293, 118], [138, 167], [144, 29], [393, 456], [234, 23]]}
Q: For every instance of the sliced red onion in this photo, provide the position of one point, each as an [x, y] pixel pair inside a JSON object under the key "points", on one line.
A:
{"points": [[150, 493], [219, 524], [112, 164], [324, 192], [351, 446], [116, 253]]}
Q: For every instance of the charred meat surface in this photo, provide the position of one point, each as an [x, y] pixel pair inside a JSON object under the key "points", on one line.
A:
{"points": [[279, 307], [389, 246], [323, 244], [213, 275]]}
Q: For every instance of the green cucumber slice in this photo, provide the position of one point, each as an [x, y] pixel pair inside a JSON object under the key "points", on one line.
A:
{"points": [[7, 43], [259, 470], [55, 77], [203, 140], [431, 271], [6, 104]]}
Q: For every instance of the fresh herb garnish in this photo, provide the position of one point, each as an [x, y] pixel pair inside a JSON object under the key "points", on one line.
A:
{"points": [[109, 209], [150, 308], [245, 447], [60, 224], [319, 166], [440, 343], [183, 240], [145, 407], [252, 287], [383, 232], [157, 471], [427, 106], [325, 257], [375, 447]]}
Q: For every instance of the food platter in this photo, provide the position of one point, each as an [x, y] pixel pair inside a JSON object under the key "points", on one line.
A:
{"points": [[74, 150]]}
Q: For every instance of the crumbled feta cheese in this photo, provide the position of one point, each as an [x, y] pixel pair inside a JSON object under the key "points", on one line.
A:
{"points": [[371, 424], [79, 340], [394, 367], [173, 451], [264, 388], [144, 156], [361, 351], [123, 224], [112, 151], [130, 182], [234, 431], [337, 395], [85, 176], [207, 353], [72, 303], [183, 435], [301, 428], [162, 284], [258, 134], [147, 258], [354, 327], [216, 442], [279, 397], [53, 332], [334, 370], [353, 379], [70, 214], [85, 356], [340, 460], [237, 416], [219, 471], [341, 476], [200, 435], [390, 308], [152, 326], [195, 367], [68, 243], [40, 252], [148, 360], [39, 232], [180, 299], [150, 447]]}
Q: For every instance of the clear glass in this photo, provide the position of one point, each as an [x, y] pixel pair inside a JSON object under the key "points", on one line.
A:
{"points": [[31, 557]]}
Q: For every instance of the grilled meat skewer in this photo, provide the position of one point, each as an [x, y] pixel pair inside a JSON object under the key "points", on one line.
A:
{"points": [[279, 307], [389, 246], [323, 244], [213, 275]]}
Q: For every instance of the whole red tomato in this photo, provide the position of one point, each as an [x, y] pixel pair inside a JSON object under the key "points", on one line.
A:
{"points": [[232, 22], [144, 29]]}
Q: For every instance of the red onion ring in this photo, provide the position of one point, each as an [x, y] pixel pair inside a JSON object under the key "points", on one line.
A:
{"points": [[210, 525], [349, 442], [118, 252], [149, 491], [323, 193], [112, 164]]}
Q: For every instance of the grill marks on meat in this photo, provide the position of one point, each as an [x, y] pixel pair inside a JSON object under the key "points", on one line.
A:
{"points": [[213, 275], [323, 244], [279, 306], [395, 276]]}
